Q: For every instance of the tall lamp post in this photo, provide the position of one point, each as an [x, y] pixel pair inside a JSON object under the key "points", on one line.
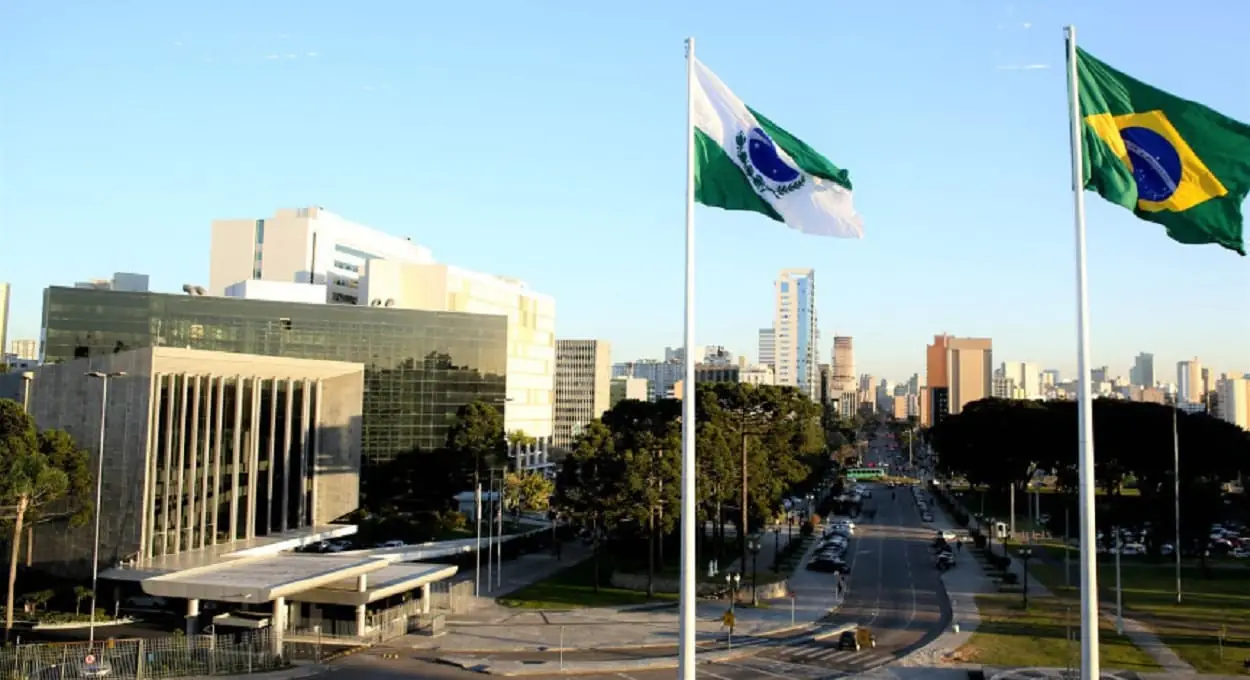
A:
{"points": [[99, 486], [1025, 554], [776, 548], [753, 545]]}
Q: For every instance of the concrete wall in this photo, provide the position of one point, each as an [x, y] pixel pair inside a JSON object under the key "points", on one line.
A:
{"points": [[62, 397], [336, 478]]}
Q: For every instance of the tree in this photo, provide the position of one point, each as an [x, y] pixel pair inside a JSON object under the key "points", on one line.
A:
{"points": [[648, 439], [28, 480], [588, 485], [81, 593], [477, 439], [527, 491]]}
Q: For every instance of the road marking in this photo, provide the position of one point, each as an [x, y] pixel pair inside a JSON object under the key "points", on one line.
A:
{"points": [[757, 670], [705, 671], [627, 677]]}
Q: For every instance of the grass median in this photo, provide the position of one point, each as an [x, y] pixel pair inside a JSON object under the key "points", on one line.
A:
{"points": [[1047, 634], [1209, 629], [574, 587]]}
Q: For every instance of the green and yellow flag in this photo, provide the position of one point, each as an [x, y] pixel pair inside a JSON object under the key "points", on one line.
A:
{"points": [[1171, 161]]}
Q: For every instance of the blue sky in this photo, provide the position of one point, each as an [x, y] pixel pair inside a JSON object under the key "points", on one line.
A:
{"points": [[544, 140]]}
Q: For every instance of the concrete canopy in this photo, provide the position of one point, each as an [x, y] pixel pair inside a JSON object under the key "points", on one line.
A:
{"points": [[383, 583], [260, 579]]}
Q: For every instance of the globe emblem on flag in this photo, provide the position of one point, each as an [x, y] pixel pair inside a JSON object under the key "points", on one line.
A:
{"points": [[763, 155], [1156, 164]]}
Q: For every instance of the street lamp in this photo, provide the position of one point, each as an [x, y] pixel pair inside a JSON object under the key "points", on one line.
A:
{"points": [[27, 378], [732, 579], [1025, 554], [776, 548], [753, 545], [99, 486]]}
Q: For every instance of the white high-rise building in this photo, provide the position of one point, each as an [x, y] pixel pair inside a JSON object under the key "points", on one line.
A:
{"points": [[768, 347], [796, 336], [311, 255], [309, 246], [1234, 399], [1026, 375], [4, 319], [843, 363], [1189, 382], [25, 349], [531, 327]]}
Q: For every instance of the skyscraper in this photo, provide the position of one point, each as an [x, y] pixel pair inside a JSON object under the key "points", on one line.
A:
{"points": [[795, 334], [768, 348], [4, 319], [1143, 373], [843, 363], [1026, 375], [1189, 388], [583, 387], [957, 371]]}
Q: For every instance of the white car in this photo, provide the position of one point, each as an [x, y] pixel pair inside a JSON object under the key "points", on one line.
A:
{"points": [[947, 535]]}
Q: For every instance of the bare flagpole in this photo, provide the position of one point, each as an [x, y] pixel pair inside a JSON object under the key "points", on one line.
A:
{"points": [[686, 656], [1090, 668]]}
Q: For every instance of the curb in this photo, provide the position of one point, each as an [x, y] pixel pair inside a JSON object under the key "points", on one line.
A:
{"points": [[525, 668]]}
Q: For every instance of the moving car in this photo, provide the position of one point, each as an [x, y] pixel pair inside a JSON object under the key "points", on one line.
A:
{"points": [[855, 640]]}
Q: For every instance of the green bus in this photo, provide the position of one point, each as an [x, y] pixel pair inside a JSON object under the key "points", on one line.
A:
{"points": [[858, 473]]}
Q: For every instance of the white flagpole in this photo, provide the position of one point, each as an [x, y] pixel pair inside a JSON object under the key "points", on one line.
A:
{"points": [[687, 630], [1090, 669]]}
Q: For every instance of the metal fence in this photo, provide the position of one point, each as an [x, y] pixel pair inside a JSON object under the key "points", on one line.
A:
{"points": [[452, 597], [168, 657]]}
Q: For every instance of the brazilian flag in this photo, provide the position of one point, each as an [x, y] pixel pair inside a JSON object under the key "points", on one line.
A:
{"points": [[1171, 161]]}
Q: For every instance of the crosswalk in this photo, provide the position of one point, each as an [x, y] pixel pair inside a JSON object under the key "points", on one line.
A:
{"points": [[828, 654]]}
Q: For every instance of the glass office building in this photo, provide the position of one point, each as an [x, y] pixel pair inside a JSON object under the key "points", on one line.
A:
{"points": [[420, 366]]}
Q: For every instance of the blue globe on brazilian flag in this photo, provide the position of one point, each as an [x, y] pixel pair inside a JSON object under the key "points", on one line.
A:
{"points": [[1171, 161]]}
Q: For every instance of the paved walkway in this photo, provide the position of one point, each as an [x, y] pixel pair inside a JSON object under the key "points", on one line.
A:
{"points": [[493, 628], [1137, 632]]}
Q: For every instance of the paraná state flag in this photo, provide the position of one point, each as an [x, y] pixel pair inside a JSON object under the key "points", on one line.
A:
{"points": [[744, 161], [1171, 161]]}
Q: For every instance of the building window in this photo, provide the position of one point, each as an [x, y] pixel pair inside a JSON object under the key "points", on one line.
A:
{"points": [[260, 232], [785, 287]]}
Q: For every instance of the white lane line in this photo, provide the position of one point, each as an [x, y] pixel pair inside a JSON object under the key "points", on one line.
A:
{"points": [[757, 670], [627, 677], [705, 671]]}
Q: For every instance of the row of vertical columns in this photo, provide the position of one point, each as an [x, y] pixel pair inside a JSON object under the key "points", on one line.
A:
{"points": [[236, 458], [189, 419], [193, 478]]}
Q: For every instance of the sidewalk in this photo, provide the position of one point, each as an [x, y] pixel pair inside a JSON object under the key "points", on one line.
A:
{"points": [[497, 629], [962, 583]]}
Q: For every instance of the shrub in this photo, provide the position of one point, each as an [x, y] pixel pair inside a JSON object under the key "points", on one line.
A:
{"points": [[1010, 579]]}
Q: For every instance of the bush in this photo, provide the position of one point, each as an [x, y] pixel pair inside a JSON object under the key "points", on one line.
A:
{"points": [[807, 529], [1010, 579]]}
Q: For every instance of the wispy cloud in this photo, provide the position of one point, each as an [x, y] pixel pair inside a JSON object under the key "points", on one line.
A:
{"points": [[1027, 25], [292, 56], [1022, 67], [311, 54], [272, 56]]}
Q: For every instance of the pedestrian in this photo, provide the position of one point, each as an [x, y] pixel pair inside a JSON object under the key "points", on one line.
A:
{"points": [[959, 545]]}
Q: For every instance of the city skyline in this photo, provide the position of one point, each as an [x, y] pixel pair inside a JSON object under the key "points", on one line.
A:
{"points": [[162, 160]]}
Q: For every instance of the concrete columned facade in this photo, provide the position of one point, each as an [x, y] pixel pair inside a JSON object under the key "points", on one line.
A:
{"points": [[200, 449]]}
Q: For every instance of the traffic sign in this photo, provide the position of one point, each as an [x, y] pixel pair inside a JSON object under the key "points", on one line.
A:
{"points": [[89, 659], [728, 619]]}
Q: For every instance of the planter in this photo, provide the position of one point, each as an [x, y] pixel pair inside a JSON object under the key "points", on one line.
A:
{"points": [[638, 582], [71, 625]]}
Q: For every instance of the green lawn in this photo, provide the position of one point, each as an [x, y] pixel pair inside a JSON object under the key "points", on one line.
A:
{"points": [[1214, 600], [574, 587], [1009, 635]]}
